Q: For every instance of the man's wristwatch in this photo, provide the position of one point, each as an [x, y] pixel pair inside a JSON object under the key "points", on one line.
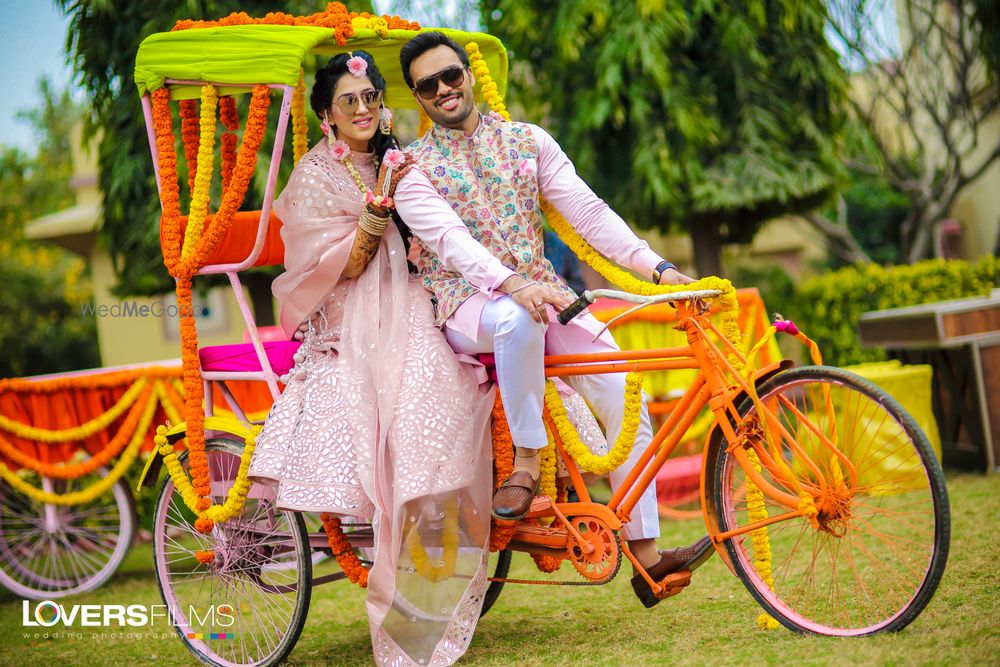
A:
{"points": [[660, 268]]}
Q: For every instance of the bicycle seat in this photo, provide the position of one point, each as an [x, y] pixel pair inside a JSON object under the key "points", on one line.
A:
{"points": [[243, 358]]}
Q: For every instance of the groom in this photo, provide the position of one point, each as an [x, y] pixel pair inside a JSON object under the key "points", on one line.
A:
{"points": [[472, 203]]}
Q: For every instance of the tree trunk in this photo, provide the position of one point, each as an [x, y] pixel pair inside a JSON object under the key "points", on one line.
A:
{"points": [[259, 287], [707, 246]]}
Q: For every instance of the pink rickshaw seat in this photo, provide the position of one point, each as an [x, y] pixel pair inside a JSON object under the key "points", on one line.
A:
{"points": [[243, 358]]}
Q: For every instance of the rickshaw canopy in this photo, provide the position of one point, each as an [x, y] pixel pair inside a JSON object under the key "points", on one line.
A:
{"points": [[255, 54]]}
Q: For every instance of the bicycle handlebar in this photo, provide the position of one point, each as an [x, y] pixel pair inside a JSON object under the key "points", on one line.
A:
{"points": [[589, 296]]}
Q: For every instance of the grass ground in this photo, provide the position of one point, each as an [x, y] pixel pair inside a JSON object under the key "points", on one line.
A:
{"points": [[712, 622]]}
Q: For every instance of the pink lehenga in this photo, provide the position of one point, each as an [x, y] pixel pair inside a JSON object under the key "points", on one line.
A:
{"points": [[380, 420]]}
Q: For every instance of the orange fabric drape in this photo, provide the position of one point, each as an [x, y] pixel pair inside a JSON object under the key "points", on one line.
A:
{"points": [[67, 402]]}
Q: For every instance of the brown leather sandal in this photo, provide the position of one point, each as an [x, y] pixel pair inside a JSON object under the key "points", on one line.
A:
{"points": [[689, 558], [513, 499]]}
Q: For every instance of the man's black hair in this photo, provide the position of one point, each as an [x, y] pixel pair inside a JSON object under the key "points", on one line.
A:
{"points": [[422, 43]]}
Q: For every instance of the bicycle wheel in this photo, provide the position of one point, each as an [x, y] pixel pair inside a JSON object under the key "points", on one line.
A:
{"points": [[51, 551], [875, 555], [500, 571], [249, 605]]}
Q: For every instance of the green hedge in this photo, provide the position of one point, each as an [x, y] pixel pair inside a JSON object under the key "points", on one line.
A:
{"points": [[828, 307]]}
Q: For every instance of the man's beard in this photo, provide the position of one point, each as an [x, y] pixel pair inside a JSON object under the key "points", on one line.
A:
{"points": [[451, 118]]}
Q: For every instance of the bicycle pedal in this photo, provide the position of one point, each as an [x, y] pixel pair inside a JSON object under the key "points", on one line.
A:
{"points": [[674, 583], [540, 506]]}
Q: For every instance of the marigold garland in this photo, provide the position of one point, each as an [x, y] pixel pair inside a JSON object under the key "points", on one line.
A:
{"points": [[101, 486], [503, 465], [587, 460], [335, 16], [757, 511], [183, 262], [486, 84], [445, 569], [343, 552], [170, 218], [203, 179], [189, 137], [299, 126], [424, 124], [230, 119], [82, 431], [192, 495], [77, 470]]}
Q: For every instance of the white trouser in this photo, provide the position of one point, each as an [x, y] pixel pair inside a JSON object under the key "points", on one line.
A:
{"points": [[519, 344]]}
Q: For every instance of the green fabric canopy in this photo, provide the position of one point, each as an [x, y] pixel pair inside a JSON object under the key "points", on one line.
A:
{"points": [[253, 54]]}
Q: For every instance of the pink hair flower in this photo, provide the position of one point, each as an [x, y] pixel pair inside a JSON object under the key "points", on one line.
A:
{"points": [[339, 149], [394, 158], [357, 66]]}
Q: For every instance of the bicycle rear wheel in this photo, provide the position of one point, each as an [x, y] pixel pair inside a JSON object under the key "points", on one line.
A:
{"points": [[249, 605], [874, 557]]}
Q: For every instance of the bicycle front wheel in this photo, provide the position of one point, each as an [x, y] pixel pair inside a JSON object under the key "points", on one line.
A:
{"points": [[873, 556]]}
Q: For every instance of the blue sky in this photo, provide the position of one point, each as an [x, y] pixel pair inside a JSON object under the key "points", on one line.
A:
{"points": [[32, 34]]}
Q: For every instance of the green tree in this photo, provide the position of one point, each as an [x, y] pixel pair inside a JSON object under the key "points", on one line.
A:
{"points": [[102, 40], [43, 329], [711, 116]]}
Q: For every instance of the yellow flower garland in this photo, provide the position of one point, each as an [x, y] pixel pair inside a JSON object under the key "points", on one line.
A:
{"points": [[449, 547], [81, 432], [599, 465], [300, 142], [425, 123], [547, 471], [203, 180], [101, 486], [757, 511], [237, 493], [486, 84]]}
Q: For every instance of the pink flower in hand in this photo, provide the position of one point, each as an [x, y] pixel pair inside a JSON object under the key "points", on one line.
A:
{"points": [[369, 196], [527, 167], [357, 66], [394, 159], [339, 149]]}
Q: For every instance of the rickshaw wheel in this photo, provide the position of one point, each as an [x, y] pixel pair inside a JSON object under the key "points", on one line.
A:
{"points": [[248, 606], [51, 551]]}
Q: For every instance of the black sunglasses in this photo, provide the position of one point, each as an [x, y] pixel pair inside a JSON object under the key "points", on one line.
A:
{"points": [[452, 76], [349, 103]]}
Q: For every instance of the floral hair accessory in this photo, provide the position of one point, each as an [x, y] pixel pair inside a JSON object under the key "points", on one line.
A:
{"points": [[357, 66], [339, 150], [394, 159]]}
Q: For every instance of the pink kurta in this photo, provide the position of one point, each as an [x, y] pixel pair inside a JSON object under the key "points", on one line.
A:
{"points": [[379, 420]]}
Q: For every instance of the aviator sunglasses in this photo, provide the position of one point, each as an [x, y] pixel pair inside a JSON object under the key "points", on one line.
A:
{"points": [[452, 77], [349, 103]]}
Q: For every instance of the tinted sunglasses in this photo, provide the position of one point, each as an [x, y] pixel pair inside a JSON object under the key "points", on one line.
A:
{"points": [[349, 103], [452, 77]]}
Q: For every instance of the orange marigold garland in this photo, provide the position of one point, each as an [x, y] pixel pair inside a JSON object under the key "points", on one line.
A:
{"points": [[343, 552], [503, 465], [189, 137], [230, 120], [335, 16], [170, 193]]}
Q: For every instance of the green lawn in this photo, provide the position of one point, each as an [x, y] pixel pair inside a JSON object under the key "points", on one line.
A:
{"points": [[712, 622]]}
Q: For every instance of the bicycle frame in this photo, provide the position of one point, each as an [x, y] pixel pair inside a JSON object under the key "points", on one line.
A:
{"points": [[717, 386]]}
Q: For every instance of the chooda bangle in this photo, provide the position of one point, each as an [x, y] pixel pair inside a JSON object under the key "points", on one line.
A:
{"points": [[372, 224]]}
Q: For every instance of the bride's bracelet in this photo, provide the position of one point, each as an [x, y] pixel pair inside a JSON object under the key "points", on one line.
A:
{"points": [[372, 224], [524, 286]]}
